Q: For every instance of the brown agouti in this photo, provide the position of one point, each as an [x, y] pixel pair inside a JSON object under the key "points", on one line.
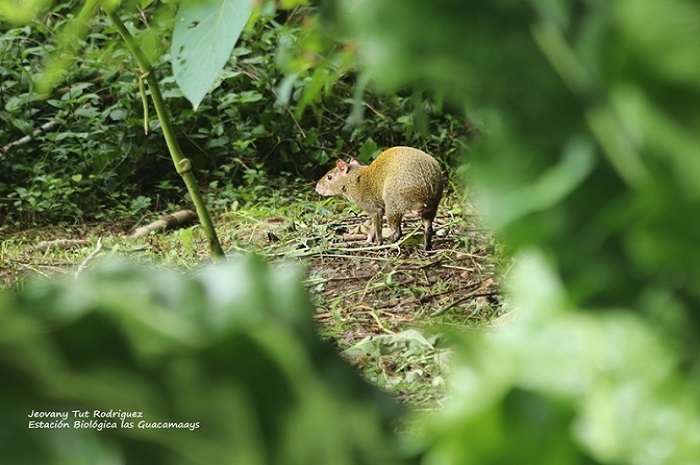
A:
{"points": [[400, 179]]}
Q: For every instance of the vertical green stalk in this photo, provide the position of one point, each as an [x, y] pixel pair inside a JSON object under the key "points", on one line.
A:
{"points": [[182, 164]]}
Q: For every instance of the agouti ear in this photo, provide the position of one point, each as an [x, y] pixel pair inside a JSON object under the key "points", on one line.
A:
{"points": [[354, 161], [342, 166]]}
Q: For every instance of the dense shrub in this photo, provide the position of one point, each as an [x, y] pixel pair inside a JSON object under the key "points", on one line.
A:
{"points": [[285, 106]]}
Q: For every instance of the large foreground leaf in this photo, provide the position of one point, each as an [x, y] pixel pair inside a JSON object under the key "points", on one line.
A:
{"points": [[204, 36], [224, 367]]}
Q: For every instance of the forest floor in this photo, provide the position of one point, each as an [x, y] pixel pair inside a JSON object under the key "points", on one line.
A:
{"points": [[389, 309]]}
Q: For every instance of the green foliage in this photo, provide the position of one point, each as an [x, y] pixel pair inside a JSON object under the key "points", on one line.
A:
{"points": [[82, 159], [256, 119], [560, 386], [406, 363], [589, 158], [232, 352], [589, 112], [203, 37]]}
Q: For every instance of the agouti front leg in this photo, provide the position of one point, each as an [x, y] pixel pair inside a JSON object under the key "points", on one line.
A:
{"points": [[375, 232]]}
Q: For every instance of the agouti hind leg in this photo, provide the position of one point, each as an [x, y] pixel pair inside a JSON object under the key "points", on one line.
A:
{"points": [[428, 232]]}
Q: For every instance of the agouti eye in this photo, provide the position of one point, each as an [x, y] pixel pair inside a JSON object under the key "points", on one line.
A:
{"points": [[330, 177]]}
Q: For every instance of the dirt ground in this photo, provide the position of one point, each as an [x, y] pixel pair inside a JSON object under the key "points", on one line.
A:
{"points": [[378, 290]]}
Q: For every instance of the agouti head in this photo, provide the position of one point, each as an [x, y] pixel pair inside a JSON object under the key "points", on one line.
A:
{"points": [[334, 182], [400, 179]]}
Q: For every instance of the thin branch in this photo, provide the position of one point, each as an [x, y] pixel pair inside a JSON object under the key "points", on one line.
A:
{"points": [[26, 139], [89, 258]]}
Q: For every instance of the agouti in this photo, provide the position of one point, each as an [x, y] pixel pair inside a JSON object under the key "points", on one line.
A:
{"points": [[400, 179]]}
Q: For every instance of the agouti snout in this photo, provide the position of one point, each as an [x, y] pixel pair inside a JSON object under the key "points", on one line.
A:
{"points": [[400, 179]]}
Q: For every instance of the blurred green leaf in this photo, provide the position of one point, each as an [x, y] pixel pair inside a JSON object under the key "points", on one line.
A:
{"points": [[231, 354], [368, 150], [558, 386], [204, 36], [588, 161]]}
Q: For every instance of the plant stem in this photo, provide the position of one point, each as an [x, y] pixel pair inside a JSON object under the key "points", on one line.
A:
{"points": [[182, 164]]}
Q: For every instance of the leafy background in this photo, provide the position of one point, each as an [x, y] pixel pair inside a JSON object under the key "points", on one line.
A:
{"points": [[280, 112], [586, 168]]}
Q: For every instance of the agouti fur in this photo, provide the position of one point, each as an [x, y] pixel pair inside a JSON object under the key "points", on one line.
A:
{"points": [[400, 179]]}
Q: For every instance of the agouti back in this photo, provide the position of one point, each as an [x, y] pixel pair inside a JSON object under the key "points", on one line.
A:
{"points": [[400, 179]]}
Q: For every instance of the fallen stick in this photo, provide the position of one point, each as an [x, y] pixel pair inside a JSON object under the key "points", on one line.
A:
{"points": [[89, 258], [45, 246], [173, 220]]}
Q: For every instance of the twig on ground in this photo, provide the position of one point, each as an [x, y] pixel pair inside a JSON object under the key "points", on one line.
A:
{"points": [[173, 220], [89, 258], [45, 246], [461, 300]]}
